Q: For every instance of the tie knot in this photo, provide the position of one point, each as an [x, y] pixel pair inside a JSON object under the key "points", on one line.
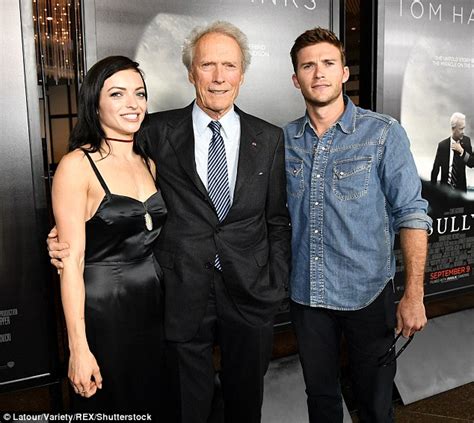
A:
{"points": [[215, 126]]}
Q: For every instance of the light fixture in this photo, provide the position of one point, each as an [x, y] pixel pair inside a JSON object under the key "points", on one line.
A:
{"points": [[57, 38]]}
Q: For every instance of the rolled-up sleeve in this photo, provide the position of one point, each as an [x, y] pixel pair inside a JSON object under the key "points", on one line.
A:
{"points": [[400, 181]]}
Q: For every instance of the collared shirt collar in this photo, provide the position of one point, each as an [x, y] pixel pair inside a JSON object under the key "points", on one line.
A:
{"points": [[346, 122], [303, 122], [201, 120]]}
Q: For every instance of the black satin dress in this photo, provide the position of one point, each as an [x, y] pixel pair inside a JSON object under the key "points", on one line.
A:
{"points": [[123, 307]]}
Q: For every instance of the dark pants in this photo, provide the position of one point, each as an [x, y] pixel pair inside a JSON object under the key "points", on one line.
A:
{"points": [[369, 332], [245, 355]]}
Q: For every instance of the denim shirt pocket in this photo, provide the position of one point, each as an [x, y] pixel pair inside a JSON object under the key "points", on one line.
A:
{"points": [[294, 176], [351, 177]]}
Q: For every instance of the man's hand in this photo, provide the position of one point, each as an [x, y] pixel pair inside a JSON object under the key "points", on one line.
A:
{"points": [[56, 250], [411, 316], [457, 147]]}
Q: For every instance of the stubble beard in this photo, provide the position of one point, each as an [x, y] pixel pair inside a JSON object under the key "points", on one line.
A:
{"points": [[323, 103]]}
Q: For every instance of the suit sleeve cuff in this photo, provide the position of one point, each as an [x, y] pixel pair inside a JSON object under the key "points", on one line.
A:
{"points": [[466, 156]]}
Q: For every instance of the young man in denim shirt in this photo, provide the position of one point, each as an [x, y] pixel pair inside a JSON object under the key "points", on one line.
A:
{"points": [[352, 184]]}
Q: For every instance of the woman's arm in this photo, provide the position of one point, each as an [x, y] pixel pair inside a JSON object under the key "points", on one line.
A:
{"points": [[70, 196]]}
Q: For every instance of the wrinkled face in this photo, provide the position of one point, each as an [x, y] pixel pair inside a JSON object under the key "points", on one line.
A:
{"points": [[216, 73], [122, 104], [458, 130], [320, 74]]}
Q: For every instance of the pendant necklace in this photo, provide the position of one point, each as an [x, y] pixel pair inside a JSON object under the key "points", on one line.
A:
{"points": [[148, 219]]}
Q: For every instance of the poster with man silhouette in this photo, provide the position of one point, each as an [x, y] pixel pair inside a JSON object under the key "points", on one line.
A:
{"points": [[425, 79]]}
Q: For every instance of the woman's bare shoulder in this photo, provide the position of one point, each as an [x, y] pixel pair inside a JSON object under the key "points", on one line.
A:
{"points": [[73, 165], [77, 157]]}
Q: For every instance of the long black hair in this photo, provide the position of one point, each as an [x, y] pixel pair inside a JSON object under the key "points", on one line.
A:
{"points": [[88, 130]]}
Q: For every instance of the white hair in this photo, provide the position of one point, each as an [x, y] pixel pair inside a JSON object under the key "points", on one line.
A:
{"points": [[220, 27], [456, 118]]}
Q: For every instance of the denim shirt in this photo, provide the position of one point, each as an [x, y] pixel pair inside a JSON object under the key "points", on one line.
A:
{"points": [[349, 192]]}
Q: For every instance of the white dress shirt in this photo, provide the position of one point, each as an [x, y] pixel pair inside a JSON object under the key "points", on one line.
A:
{"points": [[451, 153], [230, 132]]}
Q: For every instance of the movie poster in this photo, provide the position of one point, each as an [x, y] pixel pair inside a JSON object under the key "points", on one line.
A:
{"points": [[425, 74]]}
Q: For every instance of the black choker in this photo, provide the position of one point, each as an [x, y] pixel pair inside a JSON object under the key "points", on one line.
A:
{"points": [[117, 139]]}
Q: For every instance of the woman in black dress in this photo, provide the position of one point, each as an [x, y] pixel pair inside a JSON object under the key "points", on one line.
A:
{"points": [[108, 210]]}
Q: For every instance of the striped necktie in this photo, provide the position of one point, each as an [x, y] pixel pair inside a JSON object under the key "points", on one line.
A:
{"points": [[217, 177], [452, 176]]}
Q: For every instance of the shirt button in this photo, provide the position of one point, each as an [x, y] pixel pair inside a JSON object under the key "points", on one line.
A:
{"points": [[318, 175], [316, 231], [316, 204], [316, 258]]}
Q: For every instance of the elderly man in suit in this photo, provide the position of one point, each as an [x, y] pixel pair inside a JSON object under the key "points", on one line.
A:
{"points": [[453, 155], [225, 246]]}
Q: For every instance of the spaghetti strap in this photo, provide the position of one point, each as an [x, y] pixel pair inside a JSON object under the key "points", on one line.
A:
{"points": [[97, 173], [147, 163]]}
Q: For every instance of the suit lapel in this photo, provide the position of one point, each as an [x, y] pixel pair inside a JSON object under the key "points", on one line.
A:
{"points": [[248, 153], [181, 139]]}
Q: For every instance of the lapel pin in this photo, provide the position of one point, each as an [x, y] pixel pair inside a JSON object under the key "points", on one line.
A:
{"points": [[254, 144]]}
